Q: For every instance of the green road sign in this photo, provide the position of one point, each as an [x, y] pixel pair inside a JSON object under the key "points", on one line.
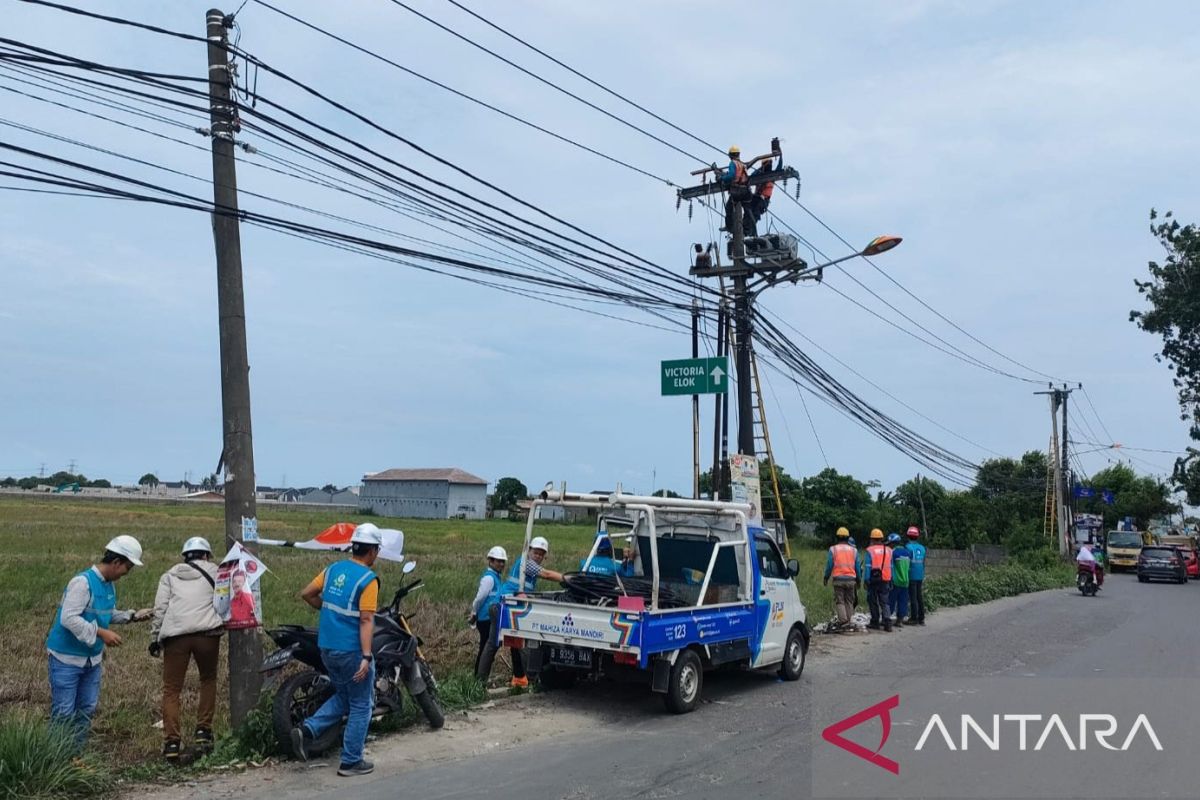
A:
{"points": [[695, 376]]}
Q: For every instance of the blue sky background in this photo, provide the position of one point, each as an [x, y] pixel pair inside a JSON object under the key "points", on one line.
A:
{"points": [[1017, 147]]}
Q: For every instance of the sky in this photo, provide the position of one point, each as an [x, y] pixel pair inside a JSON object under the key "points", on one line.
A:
{"points": [[1018, 148]]}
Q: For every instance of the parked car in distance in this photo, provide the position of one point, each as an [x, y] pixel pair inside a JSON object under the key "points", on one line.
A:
{"points": [[1162, 562]]}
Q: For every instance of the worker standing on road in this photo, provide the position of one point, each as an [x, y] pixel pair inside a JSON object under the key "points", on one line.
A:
{"points": [[485, 604], [916, 575], [842, 565], [603, 562], [187, 627], [81, 633], [901, 561], [878, 568], [347, 595], [534, 569]]}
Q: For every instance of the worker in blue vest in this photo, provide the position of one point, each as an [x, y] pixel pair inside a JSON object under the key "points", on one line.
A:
{"points": [[603, 563], [81, 633], [916, 575], [485, 606], [535, 558], [877, 567], [347, 595]]}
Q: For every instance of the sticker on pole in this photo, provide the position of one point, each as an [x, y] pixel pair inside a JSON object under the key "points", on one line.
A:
{"points": [[249, 529], [695, 376]]}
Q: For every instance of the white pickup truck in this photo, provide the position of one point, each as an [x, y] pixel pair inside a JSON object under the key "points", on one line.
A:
{"points": [[702, 590]]}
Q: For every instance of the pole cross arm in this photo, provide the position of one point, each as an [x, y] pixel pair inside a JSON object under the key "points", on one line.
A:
{"points": [[705, 189]]}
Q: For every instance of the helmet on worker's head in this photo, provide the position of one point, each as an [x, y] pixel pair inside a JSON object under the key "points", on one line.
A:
{"points": [[876, 533], [851, 542], [913, 532], [843, 533], [498, 553], [127, 548], [367, 533], [734, 150], [539, 543], [893, 538], [196, 544]]}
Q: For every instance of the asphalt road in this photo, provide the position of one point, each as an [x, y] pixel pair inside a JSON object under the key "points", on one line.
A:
{"points": [[1132, 649]]}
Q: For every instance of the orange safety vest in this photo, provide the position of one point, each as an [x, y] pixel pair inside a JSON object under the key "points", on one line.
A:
{"points": [[740, 178], [880, 559], [844, 557]]}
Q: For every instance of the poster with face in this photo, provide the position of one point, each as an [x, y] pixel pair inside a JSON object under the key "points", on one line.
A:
{"points": [[237, 597]]}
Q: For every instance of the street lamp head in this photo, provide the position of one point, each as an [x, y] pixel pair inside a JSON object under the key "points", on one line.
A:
{"points": [[880, 244]]}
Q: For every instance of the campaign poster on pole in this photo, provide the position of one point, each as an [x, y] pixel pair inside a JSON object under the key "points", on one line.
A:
{"points": [[237, 596], [745, 487]]}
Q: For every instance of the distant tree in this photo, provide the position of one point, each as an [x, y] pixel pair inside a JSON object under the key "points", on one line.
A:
{"points": [[667, 493], [830, 500], [8, 482], [100, 484], [330, 488], [1139, 496], [210, 482], [149, 479], [508, 492]]}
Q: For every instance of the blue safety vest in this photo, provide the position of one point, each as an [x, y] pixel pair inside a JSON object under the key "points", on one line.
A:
{"points": [[916, 571], [513, 584], [99, 610], [493, 598], [344, 585]]}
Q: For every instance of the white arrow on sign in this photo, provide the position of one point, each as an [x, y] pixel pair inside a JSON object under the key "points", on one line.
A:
{"points": [[717, 374]]}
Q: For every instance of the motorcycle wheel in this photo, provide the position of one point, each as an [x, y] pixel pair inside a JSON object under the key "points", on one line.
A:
{"points": [[427, 700], [297, 699]]}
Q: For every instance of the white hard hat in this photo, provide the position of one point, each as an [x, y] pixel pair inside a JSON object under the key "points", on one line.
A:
{"points": [[498, 553], [539, 543], [367, 533], [196, 544], [128, 547]]}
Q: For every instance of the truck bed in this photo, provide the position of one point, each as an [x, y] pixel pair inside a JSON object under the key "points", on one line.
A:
{"points": [[643, 633]]}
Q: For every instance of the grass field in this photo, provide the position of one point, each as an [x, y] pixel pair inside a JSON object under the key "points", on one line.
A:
{"points": [[44, 542]]}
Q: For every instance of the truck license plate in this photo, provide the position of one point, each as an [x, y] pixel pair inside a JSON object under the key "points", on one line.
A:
{"points": [[571, 657]]}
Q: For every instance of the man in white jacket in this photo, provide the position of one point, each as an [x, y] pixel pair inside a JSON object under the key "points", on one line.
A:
{"points": [[186, 627]]}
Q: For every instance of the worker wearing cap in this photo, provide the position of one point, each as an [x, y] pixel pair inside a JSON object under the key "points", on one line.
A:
{"points": [[916, 576], [877, 565], [187, 628], [485, 606], [603, 563], [81, 633], [347, 595], [535, 558], [841, 564]]}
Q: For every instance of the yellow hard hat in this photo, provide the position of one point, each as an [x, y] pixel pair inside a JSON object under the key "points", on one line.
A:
{"points": [[876, 533], [734, 150], [843, 533]]}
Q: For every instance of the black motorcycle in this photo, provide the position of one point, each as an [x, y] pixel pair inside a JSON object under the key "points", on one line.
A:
{"points": [[398, 660]]}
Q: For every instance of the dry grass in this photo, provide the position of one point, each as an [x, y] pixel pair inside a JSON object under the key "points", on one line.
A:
{"points": [[46, 541]]}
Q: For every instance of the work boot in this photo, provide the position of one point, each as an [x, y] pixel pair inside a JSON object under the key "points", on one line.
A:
{"points": [[873, 626], [520, 683], [171, 751], [300, 741], [203, 737]]}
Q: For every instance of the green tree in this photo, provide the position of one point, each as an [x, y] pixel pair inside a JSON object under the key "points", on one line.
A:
{"points": [[1139, 496], [329, 488], [1173, 293], [666, 493], [508, 492], [149, 479], [830, 500]]}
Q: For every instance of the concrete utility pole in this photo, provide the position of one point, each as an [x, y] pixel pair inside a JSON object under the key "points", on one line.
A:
{"points": [[695, 406], [245, 650], [1060, 456], [743, 331]]}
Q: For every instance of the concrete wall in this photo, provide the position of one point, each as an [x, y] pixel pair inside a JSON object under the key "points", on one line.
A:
{"points": [[423, 499], [469, 499], [942, 561]]}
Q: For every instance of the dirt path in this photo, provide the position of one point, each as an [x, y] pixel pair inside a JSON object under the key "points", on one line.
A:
{"points": [[516, 722]]}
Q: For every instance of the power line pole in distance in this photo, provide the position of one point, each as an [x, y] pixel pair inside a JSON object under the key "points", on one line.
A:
{"points": [[237, 455]]}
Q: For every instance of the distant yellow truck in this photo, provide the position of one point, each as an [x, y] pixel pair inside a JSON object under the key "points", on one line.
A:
{"points": [[1122, 548]]}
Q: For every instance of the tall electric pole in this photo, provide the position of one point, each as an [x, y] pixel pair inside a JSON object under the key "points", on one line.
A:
{"points": [[1060, 457], [237, 455], [695, 406], [742, 334]]}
